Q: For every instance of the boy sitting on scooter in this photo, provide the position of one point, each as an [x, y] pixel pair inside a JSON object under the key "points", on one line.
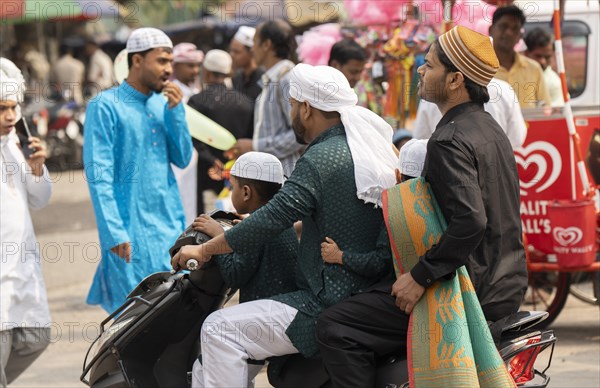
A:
{"points": [[255, 178]]}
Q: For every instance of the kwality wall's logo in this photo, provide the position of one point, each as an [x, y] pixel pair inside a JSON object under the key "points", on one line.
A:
{"points": [[567, 236], [539, 166]]}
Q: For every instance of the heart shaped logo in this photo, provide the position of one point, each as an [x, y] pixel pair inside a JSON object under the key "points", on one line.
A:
{"points": [[567, 236], [539, 166]]}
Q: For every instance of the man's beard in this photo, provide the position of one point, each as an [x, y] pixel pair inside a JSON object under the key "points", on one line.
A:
{"points": [[299, 130], [435, 94], [154, 85]]}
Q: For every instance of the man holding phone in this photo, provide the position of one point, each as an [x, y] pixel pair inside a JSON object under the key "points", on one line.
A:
{"points": [[24, 183], [132, 135]]}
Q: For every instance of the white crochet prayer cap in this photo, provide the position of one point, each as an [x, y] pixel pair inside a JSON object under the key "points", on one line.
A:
{"points": [[412, 157], [218, 61], [245, 35], [144, 39], [259, 166], [12, 83]]}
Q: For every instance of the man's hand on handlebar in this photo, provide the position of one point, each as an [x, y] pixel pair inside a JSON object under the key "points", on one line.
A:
{"points": [[201, 253]]}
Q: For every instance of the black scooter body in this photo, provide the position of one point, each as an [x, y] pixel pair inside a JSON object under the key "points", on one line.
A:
{"points": [[160, 344], [154, 338], [392, 370], [156, 331]]}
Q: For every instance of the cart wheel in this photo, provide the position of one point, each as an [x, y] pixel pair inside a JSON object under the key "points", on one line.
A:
{"points": [[547, 291]]}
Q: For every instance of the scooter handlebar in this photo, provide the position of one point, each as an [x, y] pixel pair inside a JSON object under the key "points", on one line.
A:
{"points": [[192, 264]]}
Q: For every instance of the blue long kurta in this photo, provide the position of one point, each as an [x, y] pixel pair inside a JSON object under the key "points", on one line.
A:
{"points": [[131, 139]]}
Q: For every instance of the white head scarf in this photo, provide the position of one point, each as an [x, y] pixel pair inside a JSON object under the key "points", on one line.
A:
{"points": [[12, 83], [369, 136]]}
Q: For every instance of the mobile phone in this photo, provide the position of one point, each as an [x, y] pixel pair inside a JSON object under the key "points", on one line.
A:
{"points": [[24, 139]]}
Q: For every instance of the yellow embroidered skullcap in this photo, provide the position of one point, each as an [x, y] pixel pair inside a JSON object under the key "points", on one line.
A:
{"points": [[472, 53]]}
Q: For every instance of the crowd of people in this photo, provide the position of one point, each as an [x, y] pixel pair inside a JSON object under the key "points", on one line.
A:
{"points": [[81, 71], [304, 153]]}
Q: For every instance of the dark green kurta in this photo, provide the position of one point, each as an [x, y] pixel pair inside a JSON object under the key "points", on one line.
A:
{"points": [[321, 192], [270, 271]]}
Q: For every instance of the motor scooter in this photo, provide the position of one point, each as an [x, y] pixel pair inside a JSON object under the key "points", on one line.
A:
{"points": [[154, 337], [59, 122]]}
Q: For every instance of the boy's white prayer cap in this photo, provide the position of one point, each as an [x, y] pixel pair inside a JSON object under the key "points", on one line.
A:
{"points": [[412, 157], [259, 166]]}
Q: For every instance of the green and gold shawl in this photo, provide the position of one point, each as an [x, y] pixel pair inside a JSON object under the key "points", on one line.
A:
{"points": [[449, 343]]}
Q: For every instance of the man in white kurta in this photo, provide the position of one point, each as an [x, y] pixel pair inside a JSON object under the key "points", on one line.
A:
{"points": [[503, 106], [24, 183], [187, 60], [100, 72]]}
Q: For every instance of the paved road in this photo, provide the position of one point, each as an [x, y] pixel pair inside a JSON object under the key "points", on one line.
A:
{"points": [[68, 240]]}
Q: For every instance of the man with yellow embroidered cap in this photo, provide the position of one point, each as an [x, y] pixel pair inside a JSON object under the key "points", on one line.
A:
{"points": [[471, 169]]}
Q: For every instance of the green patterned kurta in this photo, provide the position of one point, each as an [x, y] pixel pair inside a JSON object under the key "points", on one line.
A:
{"points": [[321, 192], [271, 271]]}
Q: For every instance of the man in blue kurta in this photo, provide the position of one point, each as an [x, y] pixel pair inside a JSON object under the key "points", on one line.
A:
{"points": [[132, 135], [334, 189]]}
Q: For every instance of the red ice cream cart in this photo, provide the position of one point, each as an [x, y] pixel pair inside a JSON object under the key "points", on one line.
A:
{"points": [[559, 201]]}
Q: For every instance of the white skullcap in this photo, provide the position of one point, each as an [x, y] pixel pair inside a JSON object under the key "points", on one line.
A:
{"points": [[12, 83], [245, 35], [144, 39], [369, 136], [187, 53], [258, 166], [218, 61], [412, 157]]}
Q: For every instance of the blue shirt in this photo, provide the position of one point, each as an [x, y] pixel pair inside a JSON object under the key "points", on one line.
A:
{"points": [[130, 141]]}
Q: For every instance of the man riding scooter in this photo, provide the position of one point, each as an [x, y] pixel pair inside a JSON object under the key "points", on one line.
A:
{"points": [[333, 190]]}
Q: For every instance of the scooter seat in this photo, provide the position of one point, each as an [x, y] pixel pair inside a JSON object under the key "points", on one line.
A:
{"points": [[523, 320]]}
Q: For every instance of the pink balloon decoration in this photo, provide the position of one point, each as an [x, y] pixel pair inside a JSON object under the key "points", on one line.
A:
{"points": [[317, 42], [372, 12], [473, 14]]}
